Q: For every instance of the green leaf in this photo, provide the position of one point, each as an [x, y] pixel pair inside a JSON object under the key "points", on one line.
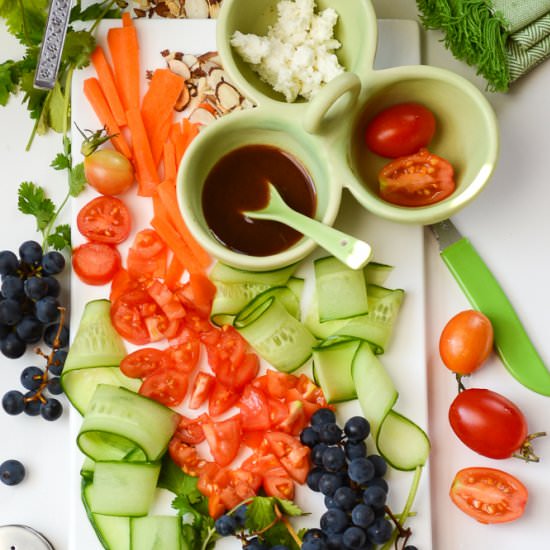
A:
{"points": [[93, 12], [25, 19], [57, 111], [77, 180], [279, 534], [61, 162], [60, 238], [78, 47], [260, 513], [9, 80], [32, 200], [289, 508]]}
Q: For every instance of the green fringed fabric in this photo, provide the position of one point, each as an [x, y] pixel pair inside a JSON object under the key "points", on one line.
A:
{"points": [[474, 34]]}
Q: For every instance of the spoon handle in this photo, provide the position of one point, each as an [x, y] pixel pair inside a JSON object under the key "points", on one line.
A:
{"points": [[349, 250]]}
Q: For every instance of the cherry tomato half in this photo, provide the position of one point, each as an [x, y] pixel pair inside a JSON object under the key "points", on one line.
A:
{"points": [[488, 423], [224, 439], [142, 362], [128, 314], [416, 180], [95, 263], [466, 341], [110, 172], [165, 385], [400, 130], [489, 495], [104, 220]]}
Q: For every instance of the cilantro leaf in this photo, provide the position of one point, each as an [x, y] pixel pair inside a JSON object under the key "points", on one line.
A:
{"points": [[77, 180], [61, 162], [279, 534], [289, 508], [93, 12], [61, 237], [32, 200], [260, 513], [77, 49], [9, 80], [25, 19]]}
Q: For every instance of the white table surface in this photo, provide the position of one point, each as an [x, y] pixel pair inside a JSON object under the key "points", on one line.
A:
{"points": [[509, 226]]}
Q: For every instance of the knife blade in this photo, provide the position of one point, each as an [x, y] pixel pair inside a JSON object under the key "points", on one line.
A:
{"points": [[483, 291], [52, 44]]}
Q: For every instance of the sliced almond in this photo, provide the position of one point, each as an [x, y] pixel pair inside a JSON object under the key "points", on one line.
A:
{"points": [[228, 96], [202, 116], [183, 100], [180, 68], [190, 60], [215, 76], [196, 9], [203, 58], [214, 8]]}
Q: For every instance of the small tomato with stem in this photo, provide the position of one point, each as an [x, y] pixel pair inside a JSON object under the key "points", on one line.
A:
{"points": [[109, 172]]}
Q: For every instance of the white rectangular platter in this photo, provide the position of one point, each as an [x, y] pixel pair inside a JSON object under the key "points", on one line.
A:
{"points": [[398, 245]]}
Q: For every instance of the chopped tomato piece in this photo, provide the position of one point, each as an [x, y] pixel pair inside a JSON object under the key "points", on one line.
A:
{"points": [[278, 411], [215, 506], [296, 419], [202, 387], [128, 315], [253, 440], [293, 455], [142, 362], [190, 430], [278, 486], [186, 457], [165, 385], [141, 267], [221, 399], [275, 383], [166, 300], [254, 409], [148, 244], [224, 439], [184, 350], [199, 292]]}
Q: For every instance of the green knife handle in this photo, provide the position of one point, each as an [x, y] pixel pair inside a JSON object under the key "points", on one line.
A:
{"points": [[485, 294]]}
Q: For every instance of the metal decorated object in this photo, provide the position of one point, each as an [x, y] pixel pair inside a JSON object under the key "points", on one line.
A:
{"points": [[52, 44], [21, 537]]}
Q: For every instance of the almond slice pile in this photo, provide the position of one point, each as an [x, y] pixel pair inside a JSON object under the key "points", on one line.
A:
{"points": [[192, 9]]}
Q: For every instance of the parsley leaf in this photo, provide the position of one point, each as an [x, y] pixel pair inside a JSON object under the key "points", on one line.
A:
{"points": [[77, 49], [77, 180], [260, 513], [60, 238], [279, 534], [289, 508], [9, 80], [61, 162], [32, 200]]}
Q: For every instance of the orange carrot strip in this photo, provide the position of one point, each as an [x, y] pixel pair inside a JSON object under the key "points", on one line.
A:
{"points": [[176, 137], [174, 272], [124, 49], [158, 107], [94, 94], [108, 86], [146, 170], [127, 20], [166, 191], [176, 244], [169, 159], [189, 132]]}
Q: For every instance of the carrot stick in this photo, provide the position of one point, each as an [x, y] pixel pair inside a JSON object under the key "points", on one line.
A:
{"points": [[169, 159], [146, 170], [174, 273], [188, 132], [158, 107], [176, 244], [92, 91], [127, 20], [124, 49], [108, 86], [166, 191], [176, 137]]}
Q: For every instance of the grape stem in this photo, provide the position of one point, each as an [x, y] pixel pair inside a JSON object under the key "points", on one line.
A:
{"points": [[400, 531]]}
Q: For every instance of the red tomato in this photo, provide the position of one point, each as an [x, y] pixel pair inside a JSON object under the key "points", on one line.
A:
{"points": [[400, 130], [293, 455], [224, 439], [141, 267], [254, 409], [128, 313], [276, 384], [199, 291], [95, 263], [109, 171], [489, 495], [148, 244], [278, 486], [417, 180], [466, 341], [221, 399], [142, 362], [190, 430], [104, 220], [202, 387], [121, 283], [184, 350], [165, 385], [297, 418], [488, 423], [186, 457], [165, 299]]}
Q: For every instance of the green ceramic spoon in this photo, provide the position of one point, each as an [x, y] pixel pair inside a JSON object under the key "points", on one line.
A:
{"points": [[349, 250]]}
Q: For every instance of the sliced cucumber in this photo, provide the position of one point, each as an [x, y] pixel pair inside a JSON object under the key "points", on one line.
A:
{"points": [[275, 334], [113, 532], [376, 273], [226, 274], [341, 291], [296, 285], [156, 533], [375, 389], [123, 488], [332, 370], [94, 356], [404, 444], [120, 424], [87, 469]]}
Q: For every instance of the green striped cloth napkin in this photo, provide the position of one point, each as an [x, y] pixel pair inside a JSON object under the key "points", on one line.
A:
{"points": [[503, 39]]}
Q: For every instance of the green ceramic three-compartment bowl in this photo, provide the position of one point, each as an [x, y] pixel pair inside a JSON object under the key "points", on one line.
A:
{"points": [[326, 133]]}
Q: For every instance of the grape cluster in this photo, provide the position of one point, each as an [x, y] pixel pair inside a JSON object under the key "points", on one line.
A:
{"points": [[352, 483], [30, 312], [29, 306]]}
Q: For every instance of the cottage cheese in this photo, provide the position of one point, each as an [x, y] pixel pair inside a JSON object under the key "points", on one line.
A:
{"points": [[296, 57]]}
